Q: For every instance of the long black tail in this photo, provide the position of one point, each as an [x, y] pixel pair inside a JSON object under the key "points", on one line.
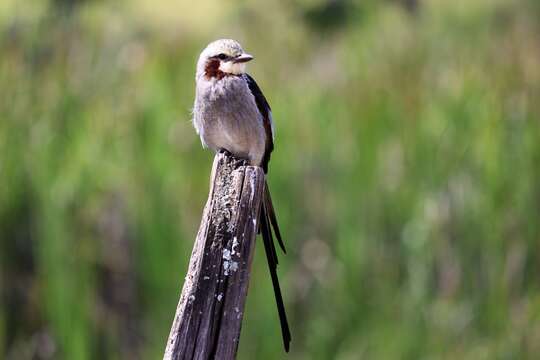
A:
{"points": [[268, 220]]}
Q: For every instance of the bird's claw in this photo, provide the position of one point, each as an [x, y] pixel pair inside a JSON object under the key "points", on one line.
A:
{"points": [[225, 152]]}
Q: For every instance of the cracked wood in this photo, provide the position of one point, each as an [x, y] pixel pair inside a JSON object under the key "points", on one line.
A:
{"points": [[209, 313]]}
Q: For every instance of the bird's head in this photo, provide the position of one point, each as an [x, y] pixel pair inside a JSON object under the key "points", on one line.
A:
{"points": [[221, 58]]}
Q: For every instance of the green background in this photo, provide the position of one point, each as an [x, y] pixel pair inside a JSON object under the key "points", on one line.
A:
{"points": [[406, 175]]}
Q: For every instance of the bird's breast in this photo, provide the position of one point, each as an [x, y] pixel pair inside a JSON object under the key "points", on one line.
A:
{"points": [[227, 117]]}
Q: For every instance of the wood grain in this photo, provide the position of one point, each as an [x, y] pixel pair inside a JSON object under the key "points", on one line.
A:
{"points": [[209, 313]]}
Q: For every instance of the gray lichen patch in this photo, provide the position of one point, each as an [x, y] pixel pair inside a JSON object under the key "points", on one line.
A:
{"points": [[229, 267], [234, 245], [226, 268]]}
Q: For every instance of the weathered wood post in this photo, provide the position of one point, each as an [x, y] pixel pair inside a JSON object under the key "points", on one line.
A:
{"points": [[209, 313]]}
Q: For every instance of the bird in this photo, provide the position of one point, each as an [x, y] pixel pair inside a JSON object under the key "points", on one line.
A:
{"points": [[231, 114]]}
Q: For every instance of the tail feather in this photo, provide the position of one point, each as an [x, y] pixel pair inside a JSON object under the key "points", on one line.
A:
{"points": [[272, 246], [272, 215], [271, 256]]}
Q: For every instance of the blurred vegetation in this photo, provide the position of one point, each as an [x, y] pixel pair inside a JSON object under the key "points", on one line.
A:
{"points": [[406, 175]]}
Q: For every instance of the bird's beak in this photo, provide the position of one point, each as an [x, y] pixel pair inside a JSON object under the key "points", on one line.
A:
{"points": [[243, 58]]}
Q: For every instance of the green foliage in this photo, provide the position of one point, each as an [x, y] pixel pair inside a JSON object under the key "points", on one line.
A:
{"points": [[406, 178]]}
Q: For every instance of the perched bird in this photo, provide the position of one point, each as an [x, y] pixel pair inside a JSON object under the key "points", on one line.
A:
{"points": [[231, 114]]}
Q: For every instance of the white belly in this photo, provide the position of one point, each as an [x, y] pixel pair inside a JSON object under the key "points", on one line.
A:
{"points": [[243, 138], [226, 117]]}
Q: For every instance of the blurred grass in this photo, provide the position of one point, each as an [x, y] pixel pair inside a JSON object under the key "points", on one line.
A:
{"points": [[406, 176]]}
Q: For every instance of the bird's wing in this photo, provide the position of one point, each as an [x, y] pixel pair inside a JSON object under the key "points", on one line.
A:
{"points": [[266, 114], [267, 215]]}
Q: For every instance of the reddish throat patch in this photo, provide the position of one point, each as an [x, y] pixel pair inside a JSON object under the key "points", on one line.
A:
{"points": [[211, 70]]}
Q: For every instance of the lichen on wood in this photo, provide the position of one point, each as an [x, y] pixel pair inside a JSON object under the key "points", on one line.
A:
{"points": [[209, 314]]}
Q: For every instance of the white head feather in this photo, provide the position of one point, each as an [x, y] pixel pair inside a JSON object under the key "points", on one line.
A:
{"points": [[225, 47]]}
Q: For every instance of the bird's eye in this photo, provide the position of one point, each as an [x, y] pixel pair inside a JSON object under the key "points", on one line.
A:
{"points": [[222, 56]]}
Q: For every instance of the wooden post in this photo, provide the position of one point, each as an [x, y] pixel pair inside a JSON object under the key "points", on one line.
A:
{"points": [[209, 313]]}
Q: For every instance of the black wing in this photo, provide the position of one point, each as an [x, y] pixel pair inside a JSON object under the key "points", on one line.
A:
{"points": [[268, 219], [266, 112]]}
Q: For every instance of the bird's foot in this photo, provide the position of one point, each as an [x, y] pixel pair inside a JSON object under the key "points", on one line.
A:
{"points": [[227, 153]]}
